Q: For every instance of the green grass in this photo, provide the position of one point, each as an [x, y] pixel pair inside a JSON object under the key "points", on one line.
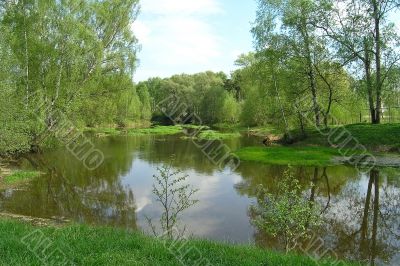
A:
{"points": [[20, 176], [373, 136], [215, 135], [83, 245], [198, 127], [279, 155], [385, 134], [157, 130]]}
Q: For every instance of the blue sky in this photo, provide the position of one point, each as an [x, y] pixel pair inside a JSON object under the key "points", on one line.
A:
{"points": [[182, 36], [190, 36]]}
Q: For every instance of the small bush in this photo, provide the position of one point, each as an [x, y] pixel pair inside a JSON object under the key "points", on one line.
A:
{"points": [[286, 214]]}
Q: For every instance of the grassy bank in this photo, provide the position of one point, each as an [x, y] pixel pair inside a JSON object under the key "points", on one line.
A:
{"points": [[15, 178], [205, 133], [383, 137], [216, 135], [282, 155], [82, 245], [156, 130]]}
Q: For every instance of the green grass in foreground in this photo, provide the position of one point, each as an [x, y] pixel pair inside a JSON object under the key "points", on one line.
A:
{"points": [[215, 135], [282, 155], [84, 245], [20, 176]]}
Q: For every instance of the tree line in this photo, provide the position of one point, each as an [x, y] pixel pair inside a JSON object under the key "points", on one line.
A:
{"points": [[326, 58]]}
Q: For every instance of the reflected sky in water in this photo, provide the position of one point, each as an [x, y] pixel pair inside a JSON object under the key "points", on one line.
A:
{"points": [[119, 194]]}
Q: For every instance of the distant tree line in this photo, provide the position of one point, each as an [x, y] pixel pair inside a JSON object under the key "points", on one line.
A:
{"points": [[208, 95]]}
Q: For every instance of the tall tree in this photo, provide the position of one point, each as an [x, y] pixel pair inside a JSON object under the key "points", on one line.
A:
{"points": [[363, 34], [64, 54], [291, 20]]}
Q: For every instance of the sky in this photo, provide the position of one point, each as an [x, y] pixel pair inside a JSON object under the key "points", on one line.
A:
{"points": [[183, 36]]}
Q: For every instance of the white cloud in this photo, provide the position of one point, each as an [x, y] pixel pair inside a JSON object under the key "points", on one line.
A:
{"points": [[173, 7], [177, 36], [141, 31]]}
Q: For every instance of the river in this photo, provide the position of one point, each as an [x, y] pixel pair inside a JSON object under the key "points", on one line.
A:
{"points": [[119, 193]]}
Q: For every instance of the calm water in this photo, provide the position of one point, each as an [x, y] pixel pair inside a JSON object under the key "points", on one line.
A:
{"points": [[119, 194]]}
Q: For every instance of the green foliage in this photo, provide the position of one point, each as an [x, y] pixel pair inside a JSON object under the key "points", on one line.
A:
{"points": [[174, 196], [72, 57], [212, 105], [15, 125], [203, 94], [230, 110], [145, 100], [128, 108], [286, 214], [255, 108]]}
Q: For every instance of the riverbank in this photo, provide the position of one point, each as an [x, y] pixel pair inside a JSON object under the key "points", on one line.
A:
{"points": [[23, 244], [316, 149], [156, 130], [203, 132], [10, 177], [294, 156], [376, 138]]}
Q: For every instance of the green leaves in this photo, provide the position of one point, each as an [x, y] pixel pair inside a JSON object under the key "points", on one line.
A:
{"points": [[285, 214], [73, 56], [174, 196]]}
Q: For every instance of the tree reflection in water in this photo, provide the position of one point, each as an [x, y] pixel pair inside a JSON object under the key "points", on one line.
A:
{"points": [[101, 199], [361, 218], [357, 225]]}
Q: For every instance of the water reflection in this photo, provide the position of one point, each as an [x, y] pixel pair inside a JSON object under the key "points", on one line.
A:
{"points": [[69, 190], [362, 220]]}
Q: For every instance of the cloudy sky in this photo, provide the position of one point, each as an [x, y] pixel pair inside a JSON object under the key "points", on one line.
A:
{"points": [[182, 36]]}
